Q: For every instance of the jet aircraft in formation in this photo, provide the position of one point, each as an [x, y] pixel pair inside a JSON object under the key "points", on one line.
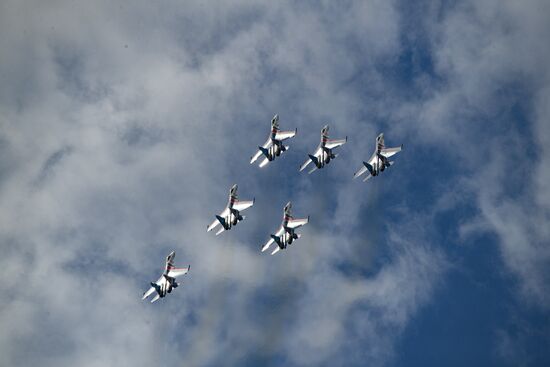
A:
{"points": [[231, 215], [286, 233], [167, 280], [323, 154], [379, 160], [273, 147]]}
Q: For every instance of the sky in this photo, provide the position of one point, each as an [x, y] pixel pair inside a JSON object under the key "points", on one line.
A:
{"points": [[123, 126]]}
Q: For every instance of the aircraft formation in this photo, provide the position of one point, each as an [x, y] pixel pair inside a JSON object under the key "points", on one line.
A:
{"points": [[286, 234]]}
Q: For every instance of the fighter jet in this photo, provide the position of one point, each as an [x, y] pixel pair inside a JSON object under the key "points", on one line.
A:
{"points": [[167, 280], [286, 233], [231, 215], [273, 147], [378, 161], [324, 153]]}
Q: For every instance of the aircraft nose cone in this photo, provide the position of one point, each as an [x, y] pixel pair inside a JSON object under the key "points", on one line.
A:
{"points": [[171, 256]]}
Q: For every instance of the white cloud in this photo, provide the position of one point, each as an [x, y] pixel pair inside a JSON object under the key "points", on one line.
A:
{"points": [[117, 144]]}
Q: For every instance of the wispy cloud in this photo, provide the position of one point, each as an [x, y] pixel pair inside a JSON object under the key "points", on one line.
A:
{"points": [[136, 120]]}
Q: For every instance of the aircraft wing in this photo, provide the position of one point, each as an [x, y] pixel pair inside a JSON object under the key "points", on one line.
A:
{"points": [[176, 272], [306, 163], [361, 170], [266, 246], [266, 145], [388, 152], [296, 223], [216, 221], [242, 205], [364, 168], [271, 240], [283, 135], [331, 144], [152, 289], [148, 293]]}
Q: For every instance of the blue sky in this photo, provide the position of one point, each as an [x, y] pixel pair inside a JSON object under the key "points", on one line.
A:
{"points": [[122, 128]]}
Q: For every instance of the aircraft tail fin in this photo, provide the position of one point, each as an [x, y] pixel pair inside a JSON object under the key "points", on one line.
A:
{"points": [[276, 239], [369, 167], [314, 159], [264, 151], [221, 220]]}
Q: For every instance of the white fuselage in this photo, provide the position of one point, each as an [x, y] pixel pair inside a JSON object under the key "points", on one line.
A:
{"points": [[233, 215], [166, 285], [288, 235], [326, 153]]}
